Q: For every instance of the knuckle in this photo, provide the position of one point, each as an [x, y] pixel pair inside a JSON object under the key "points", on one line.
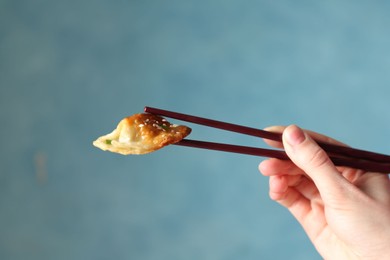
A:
{"points": [[318, 158]]}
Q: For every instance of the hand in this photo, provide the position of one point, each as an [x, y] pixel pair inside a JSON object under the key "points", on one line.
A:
{"points": [[345, 212]]}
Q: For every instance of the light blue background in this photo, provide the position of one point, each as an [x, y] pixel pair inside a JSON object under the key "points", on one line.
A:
{"points": [[70, 70]]}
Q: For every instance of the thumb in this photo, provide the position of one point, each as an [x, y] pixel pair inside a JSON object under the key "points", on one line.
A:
{"points": [[313, 160]]}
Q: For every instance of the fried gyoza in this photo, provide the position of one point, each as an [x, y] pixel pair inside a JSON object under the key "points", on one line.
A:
{"points": [[141, 133]]}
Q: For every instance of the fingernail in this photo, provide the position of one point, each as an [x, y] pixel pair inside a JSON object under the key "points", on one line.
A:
{"points": [[294, 135], [271, 128]]}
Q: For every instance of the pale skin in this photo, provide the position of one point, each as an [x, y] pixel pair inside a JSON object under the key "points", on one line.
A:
{"points": [[345, 212]]}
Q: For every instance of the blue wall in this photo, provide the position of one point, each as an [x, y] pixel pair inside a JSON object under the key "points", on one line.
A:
{"points": [[70, 70]]}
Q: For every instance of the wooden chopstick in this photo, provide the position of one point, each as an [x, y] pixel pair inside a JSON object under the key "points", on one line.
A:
{"points": [[216, 124], [234, 148], [338, 161], [330, 148], [339, 154]]}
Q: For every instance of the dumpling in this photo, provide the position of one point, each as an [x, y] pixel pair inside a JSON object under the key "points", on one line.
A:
{"points": [[141, 133]]}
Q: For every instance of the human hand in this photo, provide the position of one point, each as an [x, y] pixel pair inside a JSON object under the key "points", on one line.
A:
{"points": [[345, 212]]}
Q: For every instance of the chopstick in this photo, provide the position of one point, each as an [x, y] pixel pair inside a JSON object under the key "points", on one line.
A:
{"points": [[234, 148], [338, 161], [340, 155], [330, 148]]}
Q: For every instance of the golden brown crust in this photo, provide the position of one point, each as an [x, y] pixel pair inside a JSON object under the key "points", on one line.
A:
{"points": [[142, 133]]}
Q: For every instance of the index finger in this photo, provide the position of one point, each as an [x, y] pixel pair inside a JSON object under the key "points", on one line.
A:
{"points": [[314, 135]]}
